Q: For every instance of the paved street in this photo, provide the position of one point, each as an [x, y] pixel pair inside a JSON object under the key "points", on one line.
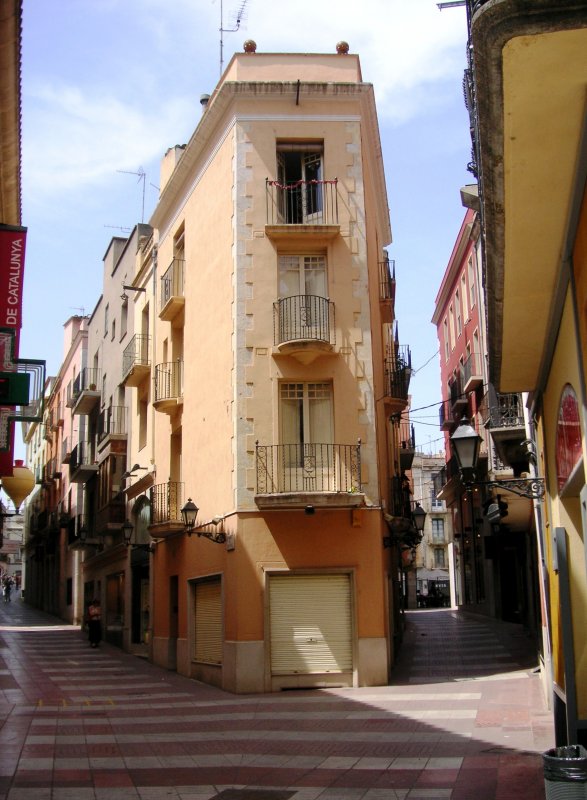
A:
{"points": [[464, 719]]}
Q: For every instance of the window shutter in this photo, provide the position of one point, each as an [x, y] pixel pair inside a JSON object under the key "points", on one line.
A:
{"points": [[311, 629], [208, 622]]}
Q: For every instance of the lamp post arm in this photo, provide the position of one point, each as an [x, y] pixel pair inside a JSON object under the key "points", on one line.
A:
{"points": [[533, 488]]}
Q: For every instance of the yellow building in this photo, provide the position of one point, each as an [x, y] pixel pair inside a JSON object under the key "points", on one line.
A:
{"points": [[263, 384], [526, 85]]}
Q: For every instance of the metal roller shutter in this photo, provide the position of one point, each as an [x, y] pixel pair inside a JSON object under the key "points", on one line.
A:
{"points": [[208, 622], [311, 629]]}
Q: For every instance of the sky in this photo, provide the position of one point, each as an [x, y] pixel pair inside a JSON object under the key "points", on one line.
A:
{"points": [[109, 85]]}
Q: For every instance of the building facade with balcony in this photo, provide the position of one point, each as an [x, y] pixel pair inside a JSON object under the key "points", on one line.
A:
{"points": [[53, 570], [264, 351], [102, 465], [527, 74], [432, 580], [495, 561]]}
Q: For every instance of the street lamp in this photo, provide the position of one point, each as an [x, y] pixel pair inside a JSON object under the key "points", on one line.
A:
{"points": [[419, 517], [465, 443], [127, 529], [189, 515]]}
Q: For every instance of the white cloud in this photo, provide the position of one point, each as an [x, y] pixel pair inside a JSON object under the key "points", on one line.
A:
{"points": [[76, 138], [79, 136]]}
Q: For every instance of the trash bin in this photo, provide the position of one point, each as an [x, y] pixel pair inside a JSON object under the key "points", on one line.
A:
{"points": [[565, 773]]}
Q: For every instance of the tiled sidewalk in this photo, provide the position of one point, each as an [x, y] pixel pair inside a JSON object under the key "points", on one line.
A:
{"points": [[81, 724]]}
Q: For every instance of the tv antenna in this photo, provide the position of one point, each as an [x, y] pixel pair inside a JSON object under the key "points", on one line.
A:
{"points": [[142, 175], [238, 18], [122, 228]]}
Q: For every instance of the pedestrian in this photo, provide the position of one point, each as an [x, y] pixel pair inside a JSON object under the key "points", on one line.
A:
{"points": [[7, 589], [94, 620]]}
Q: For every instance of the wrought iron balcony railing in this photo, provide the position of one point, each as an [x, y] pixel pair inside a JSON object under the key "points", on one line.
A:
{"points": [[110, 517], [166, 502], [305, 317], [172, 281], [458, 398], [302, 203], [290, 468], [472, 373], [387, 280], [400, 497], [397, 379], [136, 354], [89, 379], [168, 381], [502, 410], [112, 422]]}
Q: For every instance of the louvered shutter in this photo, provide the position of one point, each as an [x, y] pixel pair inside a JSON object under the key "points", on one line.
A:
{"points": [[208, 622], [311, 629]]}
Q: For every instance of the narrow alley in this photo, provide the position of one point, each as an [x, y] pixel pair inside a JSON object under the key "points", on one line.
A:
{"points": [[463, 719]]}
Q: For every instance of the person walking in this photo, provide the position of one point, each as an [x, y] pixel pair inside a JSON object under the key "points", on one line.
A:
{"points": [[7, 588], [94, 620]]}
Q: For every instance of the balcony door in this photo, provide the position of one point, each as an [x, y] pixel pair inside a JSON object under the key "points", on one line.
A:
{"points": [[304, 286], [306, 437], [300, 170]]}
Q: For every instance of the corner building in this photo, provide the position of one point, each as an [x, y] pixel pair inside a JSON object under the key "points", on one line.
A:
{"points": [[274, 371]]}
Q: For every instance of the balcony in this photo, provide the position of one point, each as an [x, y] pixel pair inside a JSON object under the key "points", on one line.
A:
{"points": [[472, 372], [85, 393], [308, 209], [407, 445], [82, 465], [112, 425], [47, 476], [303, 326], [65, 451], [54, 468], [503, 417], [78, 539], [167, 500], [459, 401], [48, 432], [296, 475], [110, 518], [57, 418], [400, 497], [446, 416], [387, 290], [397, 374], [168, 386], [172, 298], [136, 364]]}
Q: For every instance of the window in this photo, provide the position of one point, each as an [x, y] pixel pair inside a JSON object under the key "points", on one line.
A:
{"points": [[303, 274], [472, 291], [123, 318], [143, 410], [464, 297], [451, 320], [106, 321], [306, 413], [458, 310], [446, 342], [300, 174], [439, 561], [437, 530], [113, 329]]}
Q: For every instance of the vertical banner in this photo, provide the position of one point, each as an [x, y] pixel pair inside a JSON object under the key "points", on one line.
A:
{"points": [[12, 253]]}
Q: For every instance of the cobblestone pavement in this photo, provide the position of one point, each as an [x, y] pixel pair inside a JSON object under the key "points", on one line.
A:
{"points": [[463, 719]]}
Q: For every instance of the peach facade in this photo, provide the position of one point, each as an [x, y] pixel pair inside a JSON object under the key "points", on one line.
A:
{"points": [[222, 441]]}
